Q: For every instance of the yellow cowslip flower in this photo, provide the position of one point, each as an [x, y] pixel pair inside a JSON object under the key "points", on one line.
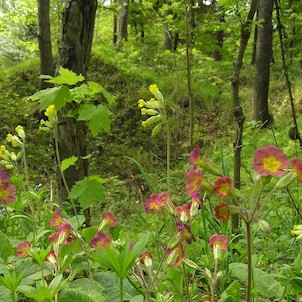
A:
{"points": [[2, 149], [49, 110], [144, 111], [13, 156], [141, 103], [20, 131], [9, 138], [18, 128], [153, 88]]}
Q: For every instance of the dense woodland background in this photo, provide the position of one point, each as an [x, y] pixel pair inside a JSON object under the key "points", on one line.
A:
{"points": [[230, 71]]}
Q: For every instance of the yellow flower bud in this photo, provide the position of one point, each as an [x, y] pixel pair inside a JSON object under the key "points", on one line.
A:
{"points": [[153, 88], [141, 103], [144, 111], [20, 130], [49, 110], [9, 137]]}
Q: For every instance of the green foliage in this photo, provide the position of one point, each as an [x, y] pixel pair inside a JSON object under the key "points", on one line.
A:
{"points": [[265, 283], [121, 260], [111, 283], [231, 293], [88, 191], [84, 290]]}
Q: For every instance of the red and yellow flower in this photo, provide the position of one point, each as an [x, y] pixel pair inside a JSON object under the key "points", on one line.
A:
{"points": [[219, 243], [223, 187], [222, 212]]}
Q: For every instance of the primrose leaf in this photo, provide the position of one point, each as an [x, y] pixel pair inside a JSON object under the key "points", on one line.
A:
{"points": [[98, 117], [66, 163], [67, 77], [57, 96], [88, 191]]}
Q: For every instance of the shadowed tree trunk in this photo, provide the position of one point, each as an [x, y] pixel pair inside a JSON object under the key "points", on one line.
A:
{"points": [[238, 112], [44, 39], [74, 52], [262, 62]]}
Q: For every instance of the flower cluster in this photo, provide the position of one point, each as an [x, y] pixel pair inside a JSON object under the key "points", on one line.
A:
{"points": [[102, 240], [8, 159], [183, 214], [154, 108], [51, 114], [7, 190], [64, 234]]}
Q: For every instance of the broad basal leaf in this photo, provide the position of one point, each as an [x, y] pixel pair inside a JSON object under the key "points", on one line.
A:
{"points": [[266, 285], [84, 290], [111, 283], [67, 77], [88, 191], [98, 117]]}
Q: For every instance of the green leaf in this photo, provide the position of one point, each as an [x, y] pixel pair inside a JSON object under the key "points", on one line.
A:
{"points": [[66, 163], [109, 98], [98, 117], [66, 76], [231, 293], [88, 191], [57, 96], [111, 283], [6, 249], [266, 285], [84, 290], [5, 295]]}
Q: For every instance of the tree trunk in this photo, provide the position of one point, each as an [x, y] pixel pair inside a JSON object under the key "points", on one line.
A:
{"points": [[238, 112], [123, 22], [262, 62], [74, 52], [44, 40]]}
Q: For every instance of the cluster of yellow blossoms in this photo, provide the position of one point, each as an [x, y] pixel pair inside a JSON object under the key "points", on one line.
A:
{"points": [[7, 158], [51, 113], [154, 108]]}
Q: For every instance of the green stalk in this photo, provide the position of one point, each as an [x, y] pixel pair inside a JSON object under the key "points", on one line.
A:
{"points": [[249, 261], [121, 289], [62, 174]]}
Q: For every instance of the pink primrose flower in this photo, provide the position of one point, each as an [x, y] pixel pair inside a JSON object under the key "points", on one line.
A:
{"points": [[154, 203], [23, 249], [195, 155], [101, 240], [270, 161], [183, 212], [110, 219], [194, 180], [7, 193], [56, 219], [297, 168]]}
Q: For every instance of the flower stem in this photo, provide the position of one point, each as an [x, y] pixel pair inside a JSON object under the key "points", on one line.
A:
{"points": [[121, 289], [249, 261]]}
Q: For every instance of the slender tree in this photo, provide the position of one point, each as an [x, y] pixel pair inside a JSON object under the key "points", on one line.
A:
{"points": [[74, 52], [262, 62], [44, 40]]}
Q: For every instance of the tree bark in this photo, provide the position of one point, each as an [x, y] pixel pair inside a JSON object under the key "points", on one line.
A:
{"points": [[123, 22], [262, 62], [74, 52], [44, 39], [238, 112]]}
